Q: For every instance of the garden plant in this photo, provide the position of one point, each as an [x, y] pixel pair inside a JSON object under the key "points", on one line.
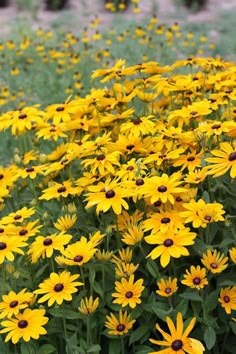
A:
{"points": [[117, 191]]}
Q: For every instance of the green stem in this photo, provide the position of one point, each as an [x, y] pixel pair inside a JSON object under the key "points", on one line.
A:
{"points": [[88, 331], [122, 346]]}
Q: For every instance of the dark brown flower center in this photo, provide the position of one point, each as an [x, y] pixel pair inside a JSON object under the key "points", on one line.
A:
{"points": [[130, 146], [139, 182], [1, 230], [208, 218], [226, 299], [22, 324], [177, 345], [101, 157], [215, 126], [47, 242], [13, 304], [120, 327], [130, 168], [191, 158], [193, 113], [78, 258], [196, 281], [60, 109], [29, 169], [129, 294], [22, 116], [162, 189], [3, 245], [137, 121], [17, 217], [157, 204], [61, 189], [214, 265], [232, 156], [110, 194], [165, 220], [168, 242], [23, 232], [168, 290], [58, 287], [178, 199], [1, 176]]}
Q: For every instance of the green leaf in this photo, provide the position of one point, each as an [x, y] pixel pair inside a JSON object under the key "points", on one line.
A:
{"points": [[211, 301], [143, 349], [152, 268], [28, 348], [98, 289], [162, 314], [182, 306], [114, 346], [94, 349], [46, 349], [193, 296], [69, 314], [209, 337], [138, 333]]}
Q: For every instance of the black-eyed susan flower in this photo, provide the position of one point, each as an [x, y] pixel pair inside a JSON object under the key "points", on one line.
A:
{"points": [[163, 187], [195, 278], [88, 305], [59, 190], [178, 341], [78, 253], [26, 325], [124, 270], [228, 298], [119, 326], [128, 292], [133, 235], [224, 160], [44, 246], [13, 302], [58, 287], [18, 216], [107, 195], [9, 246], [171, 243], [200, 214], [167, 287], [125, 255], [214, 261], [65, 222]]}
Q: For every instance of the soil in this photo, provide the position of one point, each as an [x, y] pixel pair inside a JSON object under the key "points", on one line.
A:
{"points": [[80, 12]]}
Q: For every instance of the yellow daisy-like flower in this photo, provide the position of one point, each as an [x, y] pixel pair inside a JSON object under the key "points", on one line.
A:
{"points": [[170, 244], [9, 246], [163, 187], [232, 253], [26, 325], [66, 222], [78, 253], [128, 292], [13, 302], [124, 270], [59, 190], [228, 298], [119, 326], [224, 160], [178, 341], [133, 235], [195, 278], [167, 287], [88, 305], [45, 246], [58, 287], [18, 216], [214, 261]]}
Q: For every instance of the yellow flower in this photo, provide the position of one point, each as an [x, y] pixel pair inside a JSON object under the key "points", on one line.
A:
{"points": [[224, 161], [215, 262], [58, 287], [178, 341], [195, 278], [128, 292], [120, 326], [78, 253], [232, 253], [59, 190], [228, 298], [65, 223], [13, 302], [124, 270], [88, 305], [133, 235], [170, 244], [167, 287], [9, 246]]}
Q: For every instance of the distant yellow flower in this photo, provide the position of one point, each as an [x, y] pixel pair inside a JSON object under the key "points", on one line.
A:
{"points": [[58, 287], [66, 222], [167, 287], [119, 326], [178, 341], [133, 235], [124, 270], [88, 305], [228, 298], [232, 253], [26, 325], [128, 292], [224, 160], [195, 278], [214, 261], [59, 190]]}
